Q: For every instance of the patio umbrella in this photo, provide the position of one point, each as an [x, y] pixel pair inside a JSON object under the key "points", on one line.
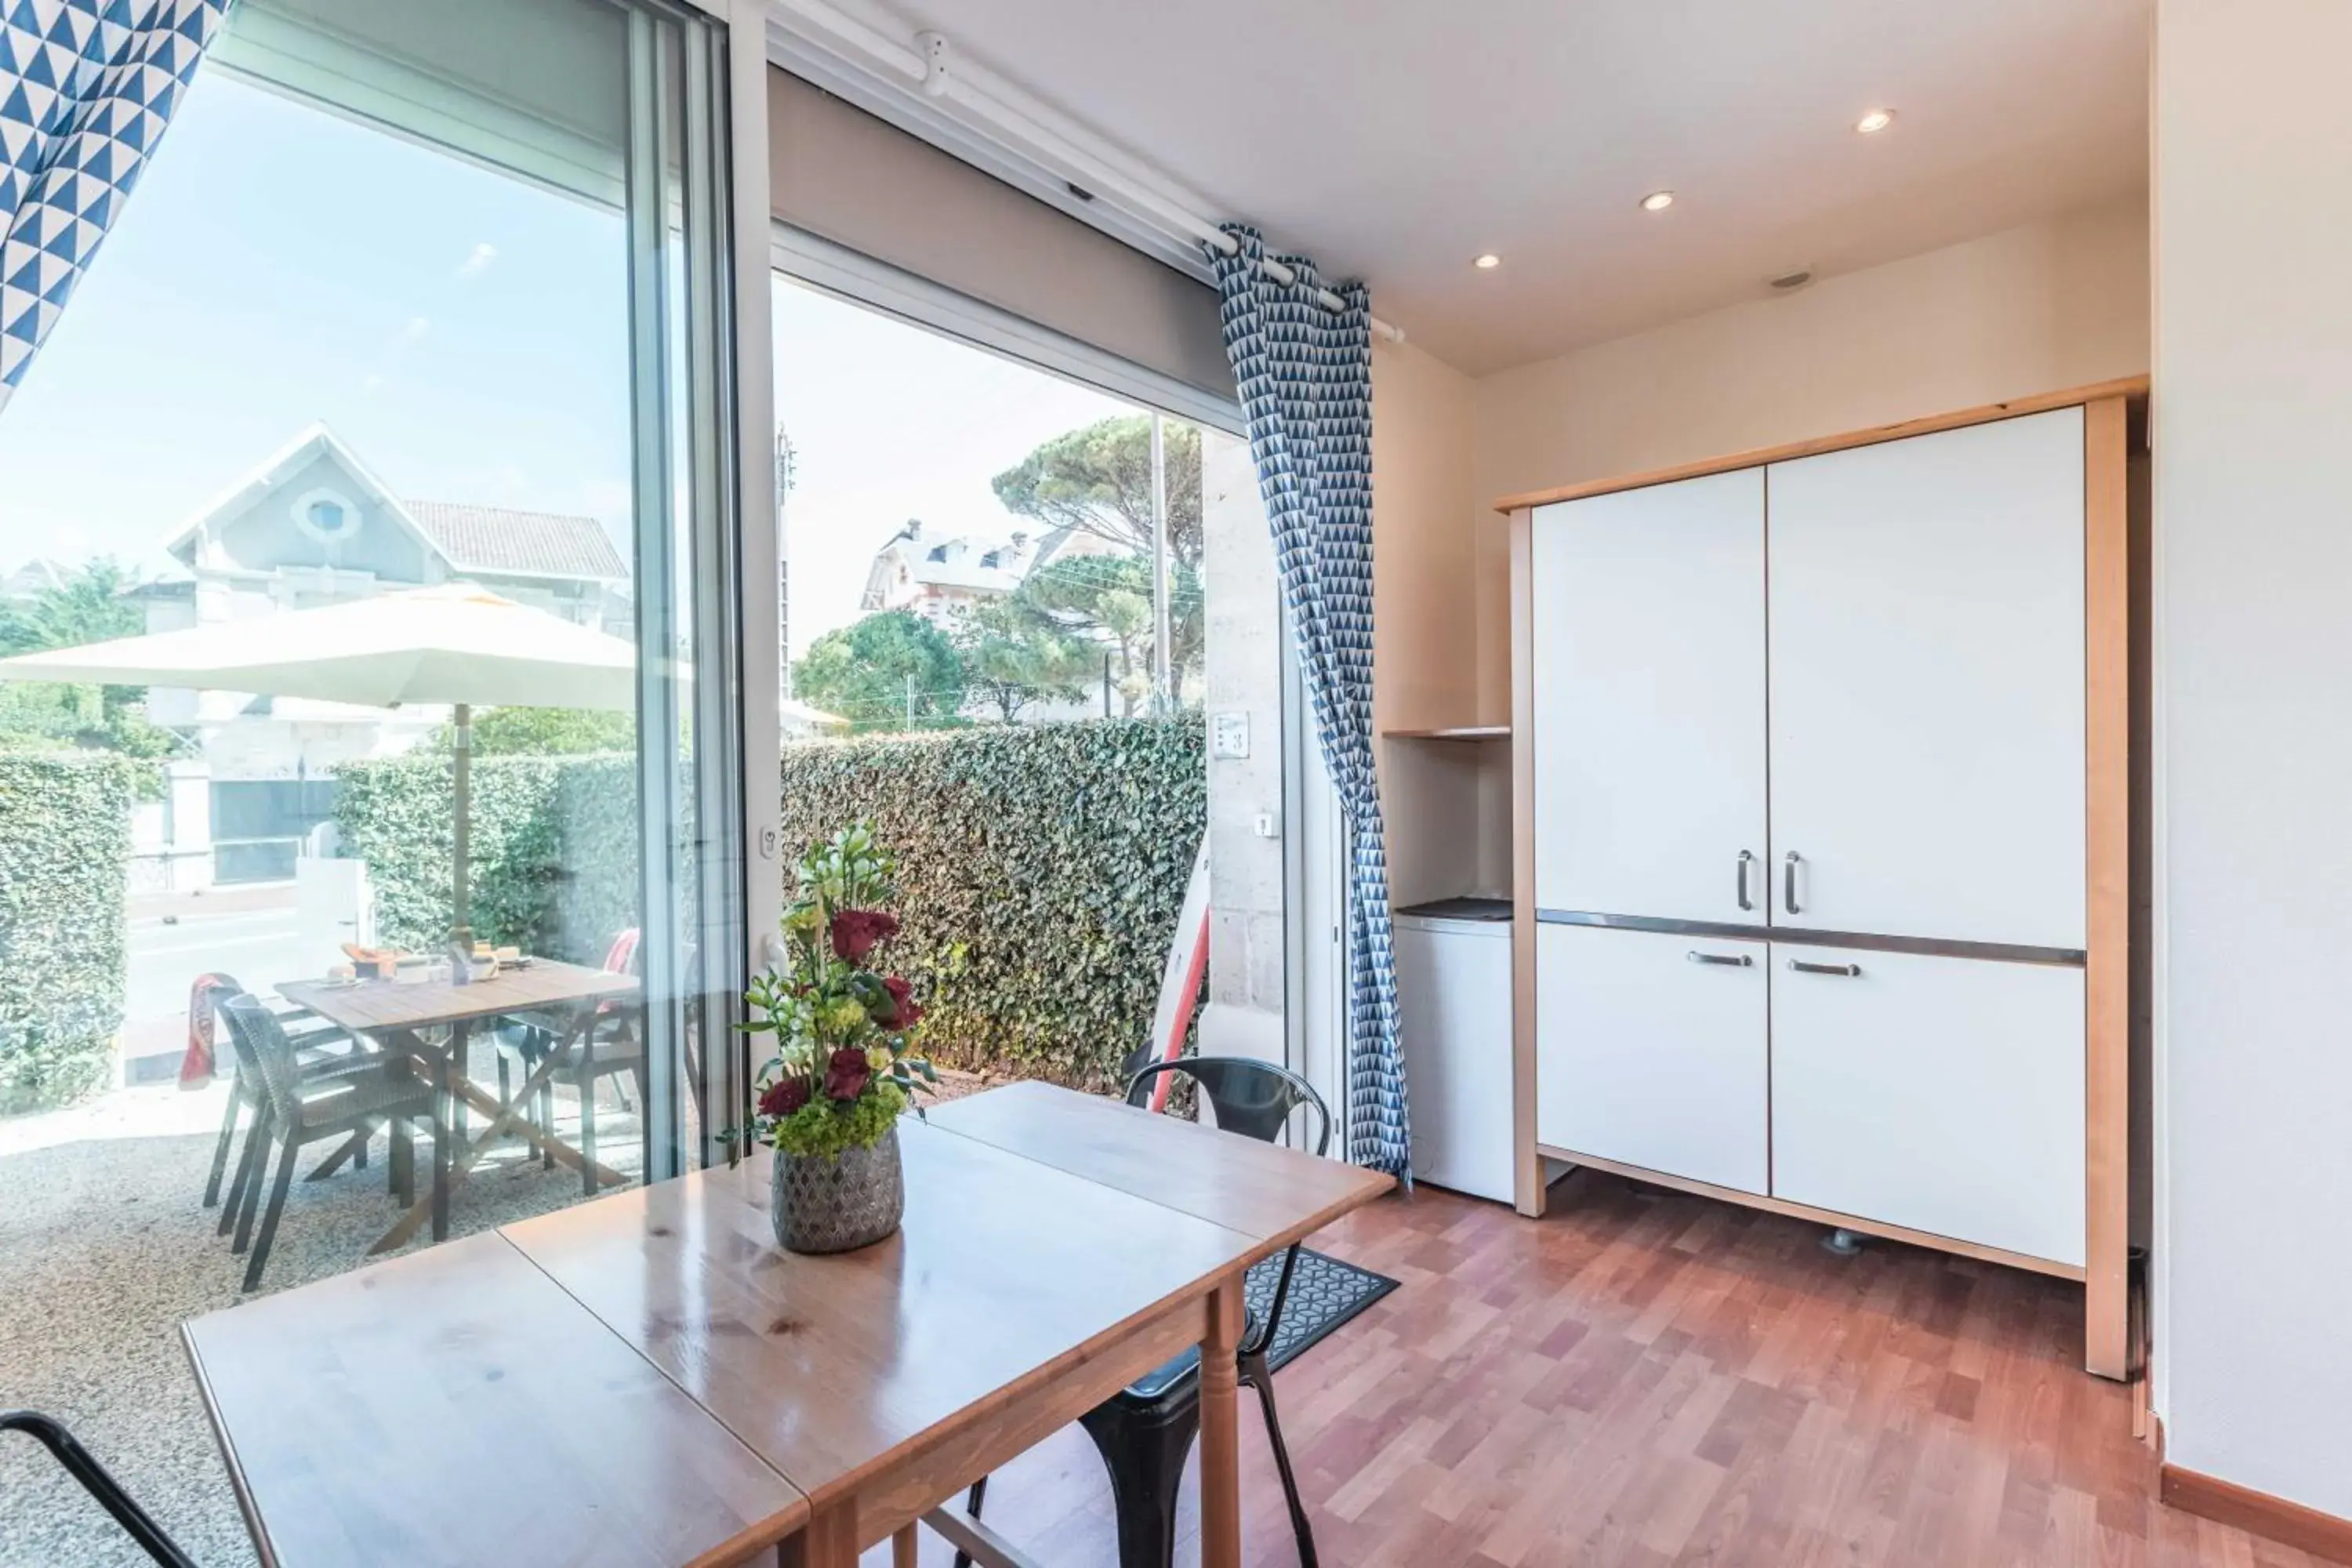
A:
{"points": [[458, 644]]}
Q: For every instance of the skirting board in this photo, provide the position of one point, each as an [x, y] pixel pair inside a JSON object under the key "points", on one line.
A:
{"points": [[1820, 1216], [2226, 1503]]}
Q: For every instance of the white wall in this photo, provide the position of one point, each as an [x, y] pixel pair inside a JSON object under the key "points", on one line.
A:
{"points": [[1424, 560], [2254, 626]]}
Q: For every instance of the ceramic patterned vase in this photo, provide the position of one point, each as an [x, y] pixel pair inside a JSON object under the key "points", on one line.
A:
{"points": [[834, 1203]]}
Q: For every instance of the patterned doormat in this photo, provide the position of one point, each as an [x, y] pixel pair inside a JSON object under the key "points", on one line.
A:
{"points": [[1324, 1293]]}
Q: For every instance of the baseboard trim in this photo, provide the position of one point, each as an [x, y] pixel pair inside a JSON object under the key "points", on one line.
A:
{"points": [[2226, 1503]]}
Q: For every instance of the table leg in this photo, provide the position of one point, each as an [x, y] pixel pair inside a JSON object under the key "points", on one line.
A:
{"points": [[902, 1549], [829, 1540], [349, 1149], [403, 1161], [1221, 1470], [453, 1087], [514, 1117], [445, 1126], [461, 1062]]}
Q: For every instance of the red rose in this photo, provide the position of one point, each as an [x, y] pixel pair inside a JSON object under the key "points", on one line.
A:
{"points": [[845, 1074], [855, 933], [902, 1012], [784, 1096]]}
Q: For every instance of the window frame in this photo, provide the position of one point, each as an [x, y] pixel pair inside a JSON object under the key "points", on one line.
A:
{"points": [[1314, 990]]}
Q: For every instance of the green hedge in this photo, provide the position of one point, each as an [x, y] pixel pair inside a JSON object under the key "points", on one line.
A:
{"points": [[65, 854], [554, 857], [1040, 870], [1041, 867]]}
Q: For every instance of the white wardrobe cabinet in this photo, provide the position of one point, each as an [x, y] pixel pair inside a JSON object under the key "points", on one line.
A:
{"points": [[1944, 1095], [1821, 803], [1649, 698], [1925, 668], [1654, 1051]]}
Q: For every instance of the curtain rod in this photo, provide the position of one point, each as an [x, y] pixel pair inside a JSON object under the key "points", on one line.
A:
{"points": [[929, 65]]}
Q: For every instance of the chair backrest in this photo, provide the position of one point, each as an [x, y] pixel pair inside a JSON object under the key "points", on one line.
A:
{"points": [[263, 1051], [1251, 1098]]}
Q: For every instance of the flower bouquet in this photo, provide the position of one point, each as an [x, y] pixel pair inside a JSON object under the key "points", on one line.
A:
{"points": [[829, 1099]]}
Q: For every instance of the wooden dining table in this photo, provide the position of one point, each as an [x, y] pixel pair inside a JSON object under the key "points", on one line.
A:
{"points": [[405, 1016], [645, 1380]]}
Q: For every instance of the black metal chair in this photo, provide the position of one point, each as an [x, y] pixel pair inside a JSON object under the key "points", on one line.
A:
{"points": [[51, 1434], [296, 1114], [321, 1051], [1144, 1431]]}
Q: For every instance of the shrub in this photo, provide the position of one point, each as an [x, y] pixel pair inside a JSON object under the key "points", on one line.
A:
{"points": [[65, 852], [555, 861], [1041, 870]]}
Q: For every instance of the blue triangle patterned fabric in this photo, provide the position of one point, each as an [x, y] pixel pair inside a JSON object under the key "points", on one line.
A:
{"points": [[1305, 372], [86, 89]]}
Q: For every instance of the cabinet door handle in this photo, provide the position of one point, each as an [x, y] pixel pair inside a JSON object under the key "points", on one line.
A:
{"points": [[1746, 860], [1733, 960], [1788, 884], [1850, 971]]}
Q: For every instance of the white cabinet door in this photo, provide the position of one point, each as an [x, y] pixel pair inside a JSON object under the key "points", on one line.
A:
{"points": [[1648, 610], [1453, 984], [1942, 1094], [1927, 677], [1650, 1050]]}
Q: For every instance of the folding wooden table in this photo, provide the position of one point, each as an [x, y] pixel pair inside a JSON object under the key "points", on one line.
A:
{"points": [[397, 1015], [675, 1390]]}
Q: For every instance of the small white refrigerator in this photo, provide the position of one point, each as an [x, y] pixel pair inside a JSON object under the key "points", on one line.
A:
{"points": [[1453, 988]]}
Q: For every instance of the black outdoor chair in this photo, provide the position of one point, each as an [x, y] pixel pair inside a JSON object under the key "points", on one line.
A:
{"points": [[1145, 1430], [296, 1114], [321, 1050], [612, 1044], [51, 1434]]}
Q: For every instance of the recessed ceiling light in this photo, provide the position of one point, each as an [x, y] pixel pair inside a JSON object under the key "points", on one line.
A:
{"points": [[1487, 262], [1657, 201], [1877, 120]]}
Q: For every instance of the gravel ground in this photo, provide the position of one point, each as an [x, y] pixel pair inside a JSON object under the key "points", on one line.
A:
{"points": [[105, 1248]]}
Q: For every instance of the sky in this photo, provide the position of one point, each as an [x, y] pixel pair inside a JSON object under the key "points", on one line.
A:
{"points": [[890, 421], [276, 266], [464, 334]]}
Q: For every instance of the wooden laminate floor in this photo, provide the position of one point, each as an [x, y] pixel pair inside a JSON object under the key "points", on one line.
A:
{"points": [[1644, 1378]]}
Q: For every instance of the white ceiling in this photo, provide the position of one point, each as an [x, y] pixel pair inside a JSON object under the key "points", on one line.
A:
{"points": [[1398, 139]]}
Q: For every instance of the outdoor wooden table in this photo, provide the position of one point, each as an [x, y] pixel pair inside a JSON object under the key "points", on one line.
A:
{"points": [[396, 1014], [1041, 1269]]}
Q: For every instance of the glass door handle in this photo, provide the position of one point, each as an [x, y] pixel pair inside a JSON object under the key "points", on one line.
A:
{"points": [[1746, 860]]}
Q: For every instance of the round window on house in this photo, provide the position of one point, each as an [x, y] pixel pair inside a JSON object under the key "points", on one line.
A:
{"points": [[328, 516]]}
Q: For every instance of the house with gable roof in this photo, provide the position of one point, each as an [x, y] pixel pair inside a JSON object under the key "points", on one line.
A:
{"points": [[312, 525]]}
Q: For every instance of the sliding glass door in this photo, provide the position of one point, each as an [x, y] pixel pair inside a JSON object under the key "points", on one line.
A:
{"points": [[419, 328]]}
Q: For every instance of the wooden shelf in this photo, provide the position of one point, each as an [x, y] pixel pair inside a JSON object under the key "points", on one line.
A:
{"points": [[1457, 732]]}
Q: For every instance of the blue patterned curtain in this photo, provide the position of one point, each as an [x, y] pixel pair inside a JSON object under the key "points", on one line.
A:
{"points": [[86, 89], [1305, 372]]}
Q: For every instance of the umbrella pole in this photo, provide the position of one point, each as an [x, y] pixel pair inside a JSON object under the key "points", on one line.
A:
{"points": [[461, 781]]}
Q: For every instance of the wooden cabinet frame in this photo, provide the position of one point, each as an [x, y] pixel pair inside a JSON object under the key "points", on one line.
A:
{"points": [[2109, 614]]}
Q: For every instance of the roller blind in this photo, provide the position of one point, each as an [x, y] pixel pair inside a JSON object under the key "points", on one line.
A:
{"points": [[839, 173], [533, 88]]}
